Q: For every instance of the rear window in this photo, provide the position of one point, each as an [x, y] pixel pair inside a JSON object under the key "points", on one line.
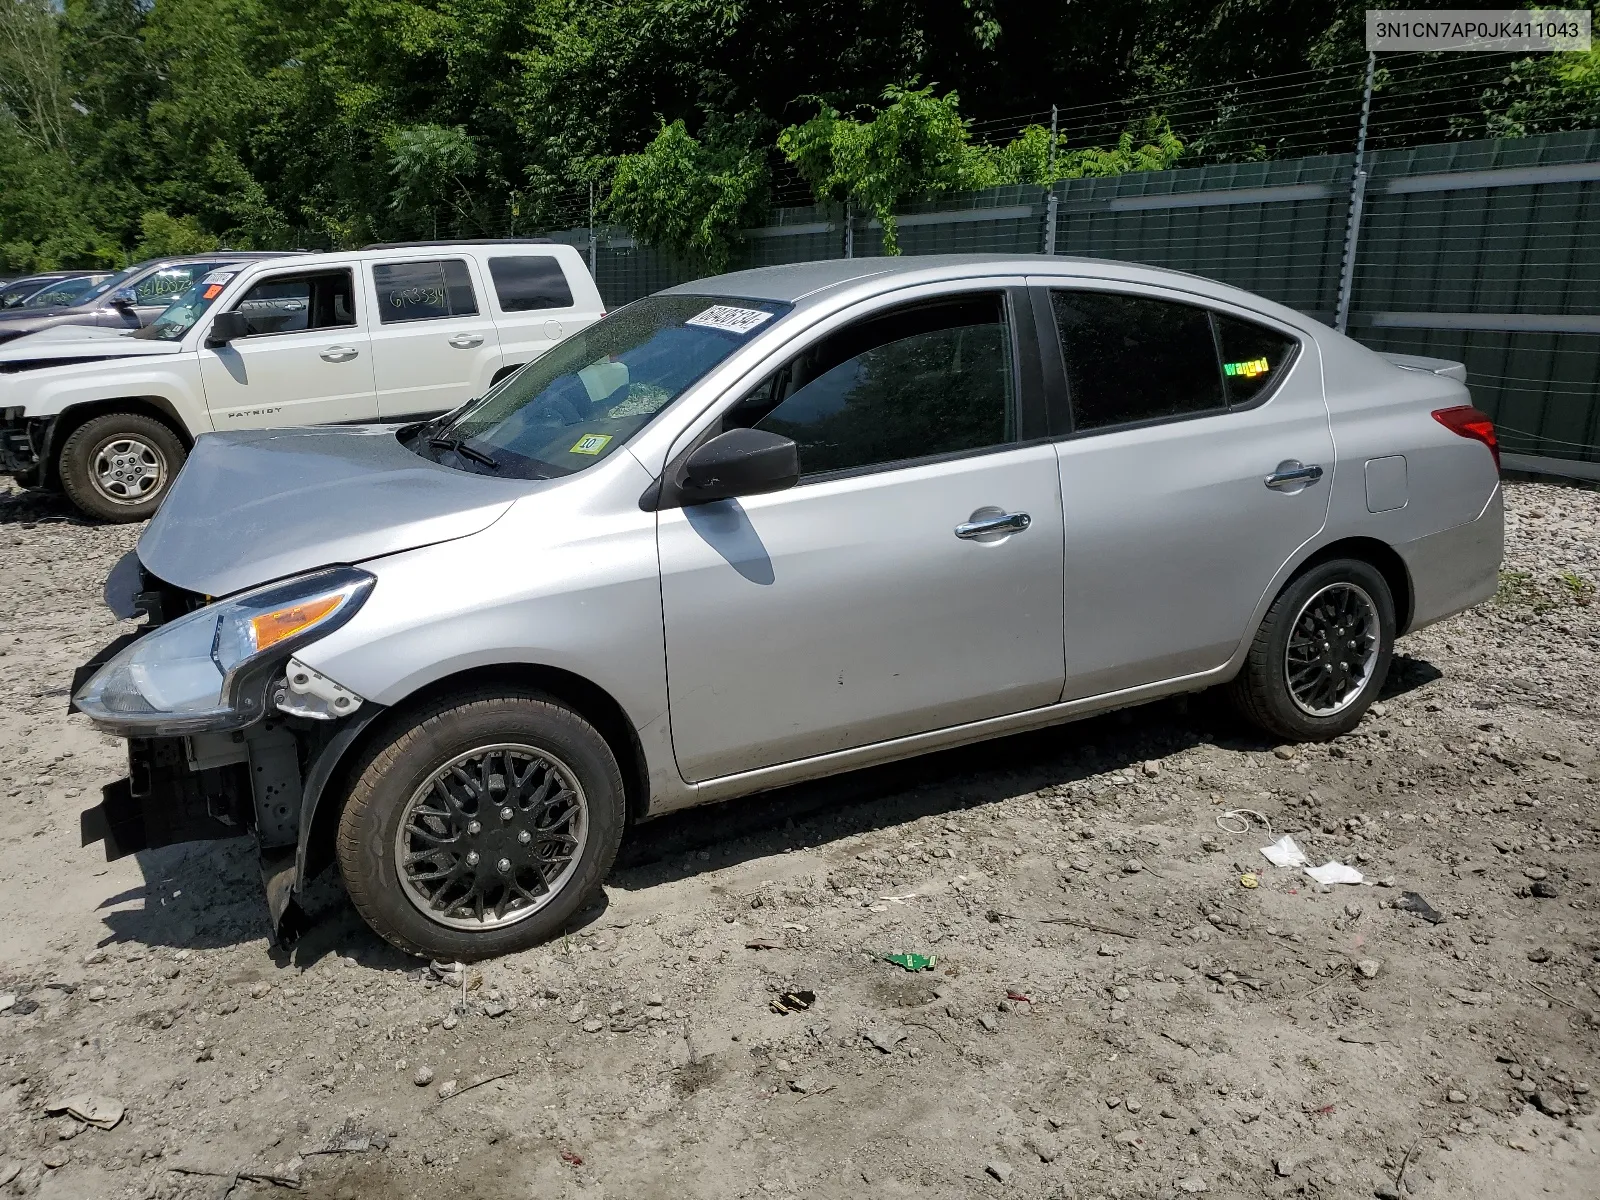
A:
{"points": [[528, 282], [423, 291]]}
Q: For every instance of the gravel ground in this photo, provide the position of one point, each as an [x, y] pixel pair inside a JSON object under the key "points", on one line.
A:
{"points": [[1113, 1012]]}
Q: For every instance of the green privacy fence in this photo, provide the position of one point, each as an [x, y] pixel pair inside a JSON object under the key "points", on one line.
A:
{"points": [[1486, 252]]}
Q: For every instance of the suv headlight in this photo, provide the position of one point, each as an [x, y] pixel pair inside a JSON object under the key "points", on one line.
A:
{"points": [[208, 670]]}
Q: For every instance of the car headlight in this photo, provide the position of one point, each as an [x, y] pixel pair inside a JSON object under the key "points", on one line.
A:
{"points": [[208, 669]]}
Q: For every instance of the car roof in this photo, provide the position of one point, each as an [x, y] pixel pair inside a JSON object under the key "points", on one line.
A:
{"points": [[809, 283]]}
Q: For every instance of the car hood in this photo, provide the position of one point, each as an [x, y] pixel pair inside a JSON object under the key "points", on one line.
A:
{"points": [[253, 506], [80, 342]]}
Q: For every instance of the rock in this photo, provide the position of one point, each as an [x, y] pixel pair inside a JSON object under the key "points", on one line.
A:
{"points": [[885, 1038], [1282, 1168], [56, 1158], [423, 1076], [987, 1022], [1132, 1105], [1387, 1191], [1132, 867], [8, 1001], [1550, 1104], [1456, 1097], [1001, 1171], [1539, 954], [448, 1088], [1368, 968], [494, 1008], [1284, 752], [1536, 872], [9, 1170], [593, 1025], [1193, 1185], [1046, 1145], [1545, 890], [804, 1086], [449, 1022], [103, 1112], [1151, 769], [1082, 864], [97, 993], [259, 989]]}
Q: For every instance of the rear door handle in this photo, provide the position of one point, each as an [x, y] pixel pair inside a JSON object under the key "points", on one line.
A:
{"points": [[1001, 523], [338, 354], [1291, 472], [466, 341]]}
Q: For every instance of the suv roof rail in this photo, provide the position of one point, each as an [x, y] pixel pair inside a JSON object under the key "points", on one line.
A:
{"points": [[461, 242]]}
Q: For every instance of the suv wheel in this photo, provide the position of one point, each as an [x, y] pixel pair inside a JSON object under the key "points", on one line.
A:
{"points": [[118, 466], [483, 827], [1321, 654]]}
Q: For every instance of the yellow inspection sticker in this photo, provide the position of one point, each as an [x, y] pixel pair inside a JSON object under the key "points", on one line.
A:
{"points": [[590, 443]]}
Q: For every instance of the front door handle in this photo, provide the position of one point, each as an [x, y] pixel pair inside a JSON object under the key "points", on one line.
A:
{"points": [[1292, 472], [466, 341], [1000, 523], [339, 353]]}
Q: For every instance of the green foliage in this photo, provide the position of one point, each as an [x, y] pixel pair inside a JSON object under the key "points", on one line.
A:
{"points": [[689, 196], [429, 165], [162, 234], [916, 144], [919, 145]]}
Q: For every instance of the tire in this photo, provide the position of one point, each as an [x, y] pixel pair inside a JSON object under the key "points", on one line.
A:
{"points": [[1329, 694], [119, 466], [407, 800]]}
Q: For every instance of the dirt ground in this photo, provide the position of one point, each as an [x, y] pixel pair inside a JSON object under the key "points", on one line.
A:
{"points": [[1112, 1010]]}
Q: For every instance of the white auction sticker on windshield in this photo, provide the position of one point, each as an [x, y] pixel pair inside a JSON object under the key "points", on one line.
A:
{"points": [[219, 276], [730, 319]]}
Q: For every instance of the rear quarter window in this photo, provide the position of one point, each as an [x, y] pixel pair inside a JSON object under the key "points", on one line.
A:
{"points": [[528, 282]]}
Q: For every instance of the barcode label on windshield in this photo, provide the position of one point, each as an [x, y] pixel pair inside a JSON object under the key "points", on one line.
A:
{"points": [[730, 319]]}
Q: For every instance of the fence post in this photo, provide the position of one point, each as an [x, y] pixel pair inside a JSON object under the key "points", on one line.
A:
{"points": [[849, 231], [1358, 193], [593, 247], [1052, 201]]}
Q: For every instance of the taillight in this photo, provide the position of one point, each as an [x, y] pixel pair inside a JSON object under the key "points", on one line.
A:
{"points": [[1468, 422]]}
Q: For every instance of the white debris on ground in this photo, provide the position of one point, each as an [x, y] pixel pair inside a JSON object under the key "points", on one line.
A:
{"points": [[1111, 1011]]}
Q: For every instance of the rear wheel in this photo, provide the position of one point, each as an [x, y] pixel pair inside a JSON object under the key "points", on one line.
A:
{"points": [[483, 827], [1321, 654], [119, 466]]}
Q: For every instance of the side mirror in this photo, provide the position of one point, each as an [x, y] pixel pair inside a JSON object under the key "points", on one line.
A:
{"points": [[124, 298], [226, 326], [741, 462]]}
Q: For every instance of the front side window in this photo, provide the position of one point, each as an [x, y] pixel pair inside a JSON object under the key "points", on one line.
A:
{"points": [[929, 380], [167, 284], [423, 291], [588, 395], [528, 282], [67, 291], [296, 303]]}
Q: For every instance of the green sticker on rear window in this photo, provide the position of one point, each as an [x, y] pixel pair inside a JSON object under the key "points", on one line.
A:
{"points": [[590, 443]]}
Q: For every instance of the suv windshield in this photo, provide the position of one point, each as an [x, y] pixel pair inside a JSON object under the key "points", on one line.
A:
{"points": [[591, 393], [179, 316], [65, 291], [106, 286]]}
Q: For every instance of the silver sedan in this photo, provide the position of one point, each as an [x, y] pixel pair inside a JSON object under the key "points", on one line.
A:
{"points": [[763, 528]]}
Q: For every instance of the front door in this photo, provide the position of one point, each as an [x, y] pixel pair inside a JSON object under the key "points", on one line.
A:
{"points": [[911, 580], [434, 345], [1200, 460], [307, 359]]}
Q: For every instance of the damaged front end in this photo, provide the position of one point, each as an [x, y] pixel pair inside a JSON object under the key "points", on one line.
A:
{"points": [[228, 734], [24, 446]]}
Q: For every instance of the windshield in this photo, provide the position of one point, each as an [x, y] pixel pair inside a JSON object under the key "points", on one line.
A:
{"points": [[63, 291], [179, 316], [589, 395], [106, 286]]}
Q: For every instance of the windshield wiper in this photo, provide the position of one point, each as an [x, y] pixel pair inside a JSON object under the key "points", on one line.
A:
{"points": [[465, 451]]}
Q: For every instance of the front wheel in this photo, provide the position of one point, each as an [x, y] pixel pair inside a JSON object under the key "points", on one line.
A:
{"points": [[1321, 655], [118, 466], [483, 827]]}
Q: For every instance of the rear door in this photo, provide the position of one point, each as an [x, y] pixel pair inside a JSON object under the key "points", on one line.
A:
{"points": [[434, 345], [1197, 460], [307, 359]]}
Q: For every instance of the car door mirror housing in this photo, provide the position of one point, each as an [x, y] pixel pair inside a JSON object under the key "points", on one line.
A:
{"points": [[124, 298], [740, 462], [226, 326]]}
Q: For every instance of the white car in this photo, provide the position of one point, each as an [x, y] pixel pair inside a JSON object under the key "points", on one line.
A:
{"points": [[390, 333]]}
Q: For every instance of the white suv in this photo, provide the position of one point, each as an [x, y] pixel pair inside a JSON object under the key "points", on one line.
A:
{"points": [[390, 333]]}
